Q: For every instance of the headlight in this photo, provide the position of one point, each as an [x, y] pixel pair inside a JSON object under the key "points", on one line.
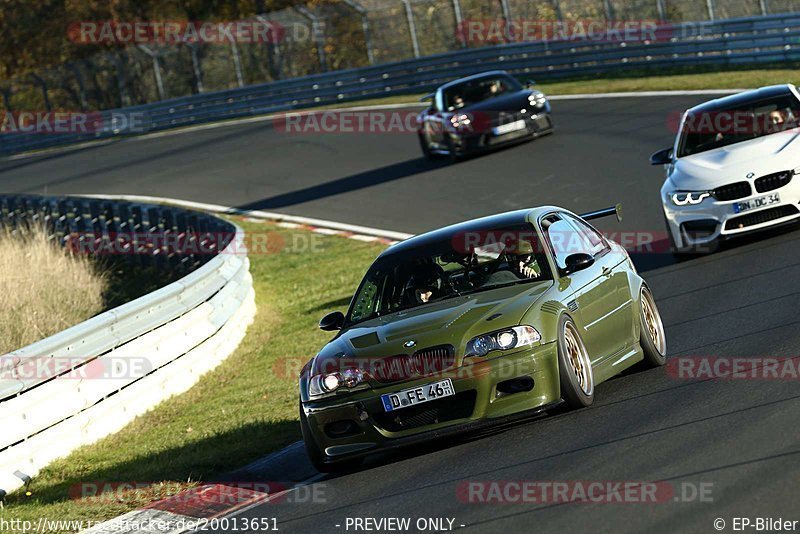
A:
{"points": [[460, 121], [537, 99], [683, 198], [512, 338], [324, 384]]}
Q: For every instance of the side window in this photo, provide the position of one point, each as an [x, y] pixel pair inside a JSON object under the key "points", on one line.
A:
{"points": [[560, 236], [595, 243]]}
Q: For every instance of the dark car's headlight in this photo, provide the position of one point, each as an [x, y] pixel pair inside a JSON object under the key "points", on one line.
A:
{"points": [[511, 338], [461, 122], [691, 198], [328, 383], [537, 99]]}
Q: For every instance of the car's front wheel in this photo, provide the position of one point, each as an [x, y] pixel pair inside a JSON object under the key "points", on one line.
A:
{"points": [[651, 335], [426, 148], [452, 152], [574, 366]]}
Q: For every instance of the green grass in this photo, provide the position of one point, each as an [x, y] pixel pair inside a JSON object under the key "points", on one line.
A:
{"points": [[239, 412]]}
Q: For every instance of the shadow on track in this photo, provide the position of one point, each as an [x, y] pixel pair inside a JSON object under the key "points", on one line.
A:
{"points": [[347, 184]]}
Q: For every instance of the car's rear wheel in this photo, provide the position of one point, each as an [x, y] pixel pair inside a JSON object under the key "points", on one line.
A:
{"points": [[316, 455], [651, 335], [574, 366]]}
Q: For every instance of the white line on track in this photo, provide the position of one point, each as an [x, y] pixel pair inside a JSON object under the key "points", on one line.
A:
{"points": [[323, 225]]}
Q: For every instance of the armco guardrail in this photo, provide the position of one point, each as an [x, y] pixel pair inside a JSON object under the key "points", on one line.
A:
{"points": [[765, 39], [90, 380]]}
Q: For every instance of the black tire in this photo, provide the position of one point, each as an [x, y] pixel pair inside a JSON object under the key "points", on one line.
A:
{"points": [[426, 148], [452, 153], [316, 455], [655, 350], [573, 393]]}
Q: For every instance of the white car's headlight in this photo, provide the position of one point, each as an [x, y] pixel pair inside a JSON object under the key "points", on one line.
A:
{"points": [[692, 198], [511, 338]]}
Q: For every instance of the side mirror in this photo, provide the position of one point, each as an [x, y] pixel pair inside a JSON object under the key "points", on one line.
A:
{"points": [[332, 321], [530, 84], [662, 157], [579, 262]]}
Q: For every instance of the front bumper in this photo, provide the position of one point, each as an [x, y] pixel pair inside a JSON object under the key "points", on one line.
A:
{"points": [[536, 124], [476, 403], [713, 220]]}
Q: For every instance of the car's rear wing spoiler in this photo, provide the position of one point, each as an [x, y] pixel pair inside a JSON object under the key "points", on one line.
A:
{"points": [[599, 214]]}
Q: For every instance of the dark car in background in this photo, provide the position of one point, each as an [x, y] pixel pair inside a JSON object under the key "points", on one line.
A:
{"points": [[481, 112]]}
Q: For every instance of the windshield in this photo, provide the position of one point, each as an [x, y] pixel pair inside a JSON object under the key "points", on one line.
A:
{"points": [[472, 92], [466, 264], [715, 128]]}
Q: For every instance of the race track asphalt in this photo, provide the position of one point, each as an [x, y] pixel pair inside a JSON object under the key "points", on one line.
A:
{"points": [[739, 437]]}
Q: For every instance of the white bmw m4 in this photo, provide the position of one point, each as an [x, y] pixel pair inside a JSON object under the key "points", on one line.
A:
{"points": [[733, 168]]}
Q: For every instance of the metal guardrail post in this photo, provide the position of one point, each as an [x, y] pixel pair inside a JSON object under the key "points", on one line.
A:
{"points": [[37, 80], [122, 86], [609, 10], [710, 6], [361, 10], [318, 31], [459, 23], [662, 10], [506, 19], [557, 9], [273, 53], [198, 74], [81, 85], [156, 70], [764, 5], [412, 28], [237, 63]]}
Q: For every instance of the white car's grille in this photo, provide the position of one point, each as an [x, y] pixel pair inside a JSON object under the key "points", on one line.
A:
{"points": [[733, 191], [773, 181]]}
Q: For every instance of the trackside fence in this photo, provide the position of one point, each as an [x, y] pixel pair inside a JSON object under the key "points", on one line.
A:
{"points": [[741, 41]]}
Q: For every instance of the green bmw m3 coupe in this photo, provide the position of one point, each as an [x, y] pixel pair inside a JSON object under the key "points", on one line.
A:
{"points": [[472, 325]]}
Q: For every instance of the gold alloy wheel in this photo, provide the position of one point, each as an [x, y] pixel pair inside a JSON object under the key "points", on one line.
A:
{"points": [[578, 358], [652, 321]]}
